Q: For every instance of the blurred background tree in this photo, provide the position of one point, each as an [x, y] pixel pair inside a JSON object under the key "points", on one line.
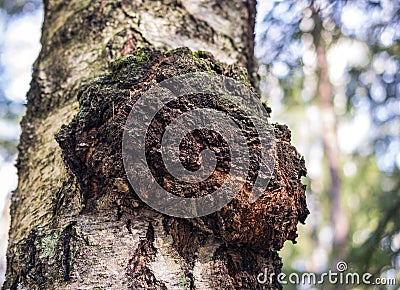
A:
{"points": [[330, 70]]}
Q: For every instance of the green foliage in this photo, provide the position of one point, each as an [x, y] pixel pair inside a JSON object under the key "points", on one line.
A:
{"points": [[365, 84]]}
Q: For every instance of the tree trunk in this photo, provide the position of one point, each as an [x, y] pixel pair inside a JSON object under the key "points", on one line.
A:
{"points": [[76, 221], [338, 218]]}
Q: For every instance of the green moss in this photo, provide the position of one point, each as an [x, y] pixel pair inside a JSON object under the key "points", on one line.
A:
{"points": [[128, 70], [137, 59], [178, 50], [202, 59]]}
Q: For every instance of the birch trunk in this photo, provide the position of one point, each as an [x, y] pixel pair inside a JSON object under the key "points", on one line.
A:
{"points": [[338, 217], [76, 223]]}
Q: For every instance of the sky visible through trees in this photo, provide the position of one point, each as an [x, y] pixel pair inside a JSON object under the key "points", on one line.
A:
{"points": [[360, 42]]}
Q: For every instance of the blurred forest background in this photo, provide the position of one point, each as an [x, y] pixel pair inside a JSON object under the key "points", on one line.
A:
{"points": [[330, 71]]}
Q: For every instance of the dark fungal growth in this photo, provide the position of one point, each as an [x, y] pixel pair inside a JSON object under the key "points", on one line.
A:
{"points": [[91, 146]]}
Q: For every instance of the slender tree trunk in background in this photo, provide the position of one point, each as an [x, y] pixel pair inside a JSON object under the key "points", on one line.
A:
{"points": [[330, 140], [76, 223]]}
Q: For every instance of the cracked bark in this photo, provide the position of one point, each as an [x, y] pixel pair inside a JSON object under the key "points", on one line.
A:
{"points": [[76, 223]]}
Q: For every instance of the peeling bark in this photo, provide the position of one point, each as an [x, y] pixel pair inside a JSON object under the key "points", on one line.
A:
{"points": [[76, 222]]}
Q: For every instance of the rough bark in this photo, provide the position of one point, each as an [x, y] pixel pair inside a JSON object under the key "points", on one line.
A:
{"points": [[76, 223]]}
